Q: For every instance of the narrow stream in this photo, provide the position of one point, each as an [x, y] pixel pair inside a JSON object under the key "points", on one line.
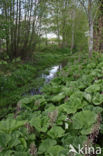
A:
{"points": [[47, 78], [52, 73]]}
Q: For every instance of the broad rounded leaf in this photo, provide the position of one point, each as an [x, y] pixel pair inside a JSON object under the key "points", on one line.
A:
{"points": [[98, 99], [10, 125], [58, 97], [56, 132], [55, 150], [84, 121], [93, 88], [45, 145], [41, 123], [88, 97], [72, 106]]}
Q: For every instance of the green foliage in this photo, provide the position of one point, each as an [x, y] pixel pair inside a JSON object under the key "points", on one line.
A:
{"points": [[84, 121], [58, 97], [74, 140], [41, 123], [66, 113], [93, 88], [55, 150], [56, 132], [46, 145], [10, 125], [88, 97], [18, 78], [98, 99]]}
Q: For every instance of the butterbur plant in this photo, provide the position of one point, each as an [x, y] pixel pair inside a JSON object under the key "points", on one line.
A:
{"points": [[39, 126]]}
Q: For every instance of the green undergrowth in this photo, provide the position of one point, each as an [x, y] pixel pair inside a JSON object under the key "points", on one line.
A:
{"points": [[18, 77], [68, 112]]}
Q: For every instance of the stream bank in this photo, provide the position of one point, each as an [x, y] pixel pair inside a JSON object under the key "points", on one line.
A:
{"points": [[24, 78]]}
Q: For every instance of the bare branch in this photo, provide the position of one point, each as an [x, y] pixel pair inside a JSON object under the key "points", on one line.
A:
{"points": [[83, 4], [96, 12]]}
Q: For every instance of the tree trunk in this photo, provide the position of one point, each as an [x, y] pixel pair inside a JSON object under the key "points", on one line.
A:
{"points": [[73, 31], [58, 30], [7, 29], [46, 42], [90, 39], [90, 20], [98, 29]]}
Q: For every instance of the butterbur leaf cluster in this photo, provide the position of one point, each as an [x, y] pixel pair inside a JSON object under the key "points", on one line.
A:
{"points": [[66, 113]]}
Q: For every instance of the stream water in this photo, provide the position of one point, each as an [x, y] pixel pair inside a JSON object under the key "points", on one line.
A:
{"points": [[52, 73], [47, 78]]}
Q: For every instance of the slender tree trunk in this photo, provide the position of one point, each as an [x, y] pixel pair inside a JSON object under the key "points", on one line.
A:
{"points": [[90, 20], [46, 43], [63, 32], [16, 31], [19, 26], [58, 33], [73, 31], [98, 29], [7, 29], [90, 39], [58, 30]]}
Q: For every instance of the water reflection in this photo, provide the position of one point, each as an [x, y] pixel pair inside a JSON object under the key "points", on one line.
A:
{"points": [[52, 73], [47, 78]]}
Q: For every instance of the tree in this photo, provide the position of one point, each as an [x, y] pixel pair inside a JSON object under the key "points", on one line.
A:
{"points": [[88, 6], [21, 25], [26, 22], [64, 19], [98, 28]]}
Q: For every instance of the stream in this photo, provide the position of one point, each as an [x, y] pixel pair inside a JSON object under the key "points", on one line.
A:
{"points": [[52, 73], [47, 78]]}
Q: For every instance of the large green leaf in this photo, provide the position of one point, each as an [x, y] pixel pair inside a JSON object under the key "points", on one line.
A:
{"points": [[78, 94], [9, 141], [33, 102], [26, 100], [84, 121], [73, 140], [10, 125], [4, 139], [6, 153], [14, 142], [88, 97], [97, 110], [61, 118], [98, 99], [58, 97], [41, 123], [93, 88], [54, 89], [45, 145], [55, 150], [39, 101], [72, 105], [22, 154], [56, 132], [68, 91]]}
